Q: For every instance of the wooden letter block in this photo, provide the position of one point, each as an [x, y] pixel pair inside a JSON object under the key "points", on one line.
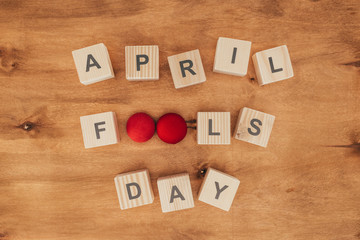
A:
{"points": [[213, 128], [175, 192], [93, 64], [232, 56], [142, 62], [273, 65], [99, 129], [254, 127], [218, 189], [186, 69], [134, 189]]}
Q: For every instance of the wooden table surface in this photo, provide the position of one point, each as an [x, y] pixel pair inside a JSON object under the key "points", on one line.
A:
{"points": [[304, 185]]}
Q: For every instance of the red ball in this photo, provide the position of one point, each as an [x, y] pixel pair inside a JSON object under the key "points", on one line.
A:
{"points": [[171, 128], [140, 127]]}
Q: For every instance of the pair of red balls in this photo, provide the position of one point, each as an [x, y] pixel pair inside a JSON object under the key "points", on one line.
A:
{"points": [[171, 127]]}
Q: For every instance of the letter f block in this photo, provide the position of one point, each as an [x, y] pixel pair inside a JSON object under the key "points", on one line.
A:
{"points": [[99, 129], [218, 189], [254, 127], [134, 189], [187, 69]]}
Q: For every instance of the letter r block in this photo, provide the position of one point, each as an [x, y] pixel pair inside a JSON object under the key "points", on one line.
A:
{"points": [[134, 189], [273, 65], [218, 189], [99, 129], [93, 64], [254, 127], [142, 63], [186, 69], [213, 128], [175, 192]]}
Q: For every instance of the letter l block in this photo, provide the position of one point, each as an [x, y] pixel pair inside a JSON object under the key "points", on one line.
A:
{"points": [[134, 189], [218, 189], [213, 128]]}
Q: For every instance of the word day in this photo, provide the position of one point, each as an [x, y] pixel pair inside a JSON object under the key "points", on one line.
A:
{"points": [[142, 63], [134, 189]]}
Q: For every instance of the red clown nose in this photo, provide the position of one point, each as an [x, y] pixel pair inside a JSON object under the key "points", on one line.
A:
{"points": [[171, 128], [140, 127]]}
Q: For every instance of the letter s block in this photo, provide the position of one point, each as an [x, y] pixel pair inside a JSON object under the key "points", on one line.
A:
{"points": [[187, 69], [99, 129], [218, 189], [175, 192], [254, 127], [93, 64], [273, 65], [134, 189]]}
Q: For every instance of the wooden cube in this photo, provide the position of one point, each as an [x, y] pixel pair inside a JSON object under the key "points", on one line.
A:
{"points": [[218, 189], [232, 56], [99, 129], [254, 127], [213, 128], [134, 189], [186, 69], [142, 63], [273, 65], [175, 192], [93, 64]]}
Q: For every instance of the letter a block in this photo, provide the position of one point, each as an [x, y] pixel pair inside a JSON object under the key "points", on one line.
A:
{"points": [[218, 189], [134, 189], [254, 127], [93, 64], [273, 65], [175, 192], [142, 63], [99, 129], [213, 128], [232, 56], [186, 69]]}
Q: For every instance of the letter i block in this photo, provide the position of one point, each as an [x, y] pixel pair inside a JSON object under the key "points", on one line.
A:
{"points": [[273, 65], [99, 129], [232, 56], [93, 64], [134, 189], [254, 127], [175, 192], [213, 128], [142, 62], [187, 69], [218, 189]]}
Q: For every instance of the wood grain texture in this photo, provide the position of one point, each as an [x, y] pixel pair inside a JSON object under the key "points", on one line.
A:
{"points": [[136, 179], [218, 189], [303, 186], [254, 126], [148, 71], [175, 192], [213, 128]]}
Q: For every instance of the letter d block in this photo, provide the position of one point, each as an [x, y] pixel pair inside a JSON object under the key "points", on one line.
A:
{"points": [[175, 192], [218, 189], [254, 127], [213, 128], [134, 189], [99, 129], [273, 65], [186, 69], [93, 64], [142, 63]]}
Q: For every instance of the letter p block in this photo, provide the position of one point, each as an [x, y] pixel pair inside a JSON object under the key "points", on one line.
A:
{"points": [[134, 189]]}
